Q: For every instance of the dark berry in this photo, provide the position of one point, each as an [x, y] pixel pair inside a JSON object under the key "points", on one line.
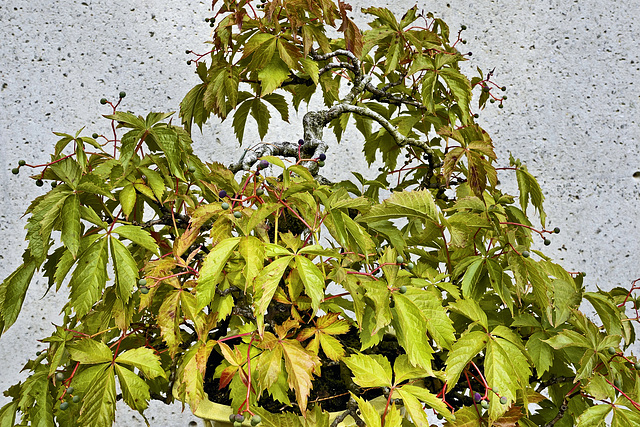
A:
{"points": [[76, 399], [188, 51], [39, 182], [500, 106], [224, 205], [222, 194], [264, 164], [301, 142], [503, 88], [320, 163], [142, 282], [547, 242], [399, 259], [95, 136], [485, 88], [476, 115], [21, 163], [144, 290], [259, 191], [15, 171], [70, 390], [526, 254], [503, 400], [189, 62], [402, 289], [239, 418], [464, 42], [232, 417], [322, 157], [237, 214], [504, 98], [64, 406], [492, 100], [556, 230], [477, 397], [611, 351], [212, 24], [122, 94], [54, 184], [463, 27], [470, 53], [103, 101]]}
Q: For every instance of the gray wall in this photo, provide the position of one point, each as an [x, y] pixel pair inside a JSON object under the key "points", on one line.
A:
{"points": [[571, 68]]}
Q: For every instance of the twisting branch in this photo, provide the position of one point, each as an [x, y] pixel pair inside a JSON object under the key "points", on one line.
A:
{"points": [[561, 411]]}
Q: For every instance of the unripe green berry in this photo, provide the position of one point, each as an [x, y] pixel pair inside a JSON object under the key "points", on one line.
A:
{"points": [[611, 351], [95, 136], [64, 406], [39, 182], [637, 366], [617, 383], [122, 94], [75, 399], [484, 404], [556, 230], [410, 266], [495, 390], [463, 27], [547, 242], [237, 214], [504, 98], [259, 191], [526, 254], [189, 62], [142, 282], [503, 400], [103, 101], [255, 420], [320, 163], [59, 376], [500, 106], [54, 184], [399, 259], [403, 289], [232, 417], [144, 290], [503, 88], [192, 169], [237, 424], [224, 205], [15, 171], [70, 390], [21, 163]]}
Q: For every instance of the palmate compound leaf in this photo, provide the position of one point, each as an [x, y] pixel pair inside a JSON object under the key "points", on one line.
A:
{"points": [[144, 359], [125, 267], [439, 325], [594, 416], [300, 365], [412, 204], [266, 284], [462, 352], [312, 278], [12, 292], [190, 374], [89, 352], [135, 391]]}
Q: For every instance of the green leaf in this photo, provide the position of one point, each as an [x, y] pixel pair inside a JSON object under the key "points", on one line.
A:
{"points": [[413, 406], [12, 293], [530, 190], [90, 183], [125, 268], [127, 199], [467, 416], [460, 88], [89, 278], [568, 338], [472, 310], [70, 233], [540, 352], [252, 250], [462, 352], [211, 269], [412, 204], [369, 414], [99, 403], [313, 280], [135, 392], [472, 276], [138, 236], [594, 416], [430, 399], [370, 370], [607, 310], [506, 368], [411, 333], [280, 104], [169, 142], [240, 119], [266, 284], [260, 113], [438, 323], [143, 358], [89, 352]]}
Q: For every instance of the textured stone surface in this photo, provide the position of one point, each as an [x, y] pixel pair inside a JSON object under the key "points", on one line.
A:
{"points": [[571, 69]]}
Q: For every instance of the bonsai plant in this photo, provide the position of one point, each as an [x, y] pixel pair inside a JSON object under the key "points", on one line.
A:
{"points": [[272, 289]]}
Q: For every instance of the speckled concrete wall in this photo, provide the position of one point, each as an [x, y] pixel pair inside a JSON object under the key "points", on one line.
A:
{"points": [[571, 68]]}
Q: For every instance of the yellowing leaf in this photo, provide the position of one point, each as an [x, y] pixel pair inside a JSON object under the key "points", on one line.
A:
{"points": [[211, 269], [144, 359], [312, 278], [300, 366], [370, 370]]}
